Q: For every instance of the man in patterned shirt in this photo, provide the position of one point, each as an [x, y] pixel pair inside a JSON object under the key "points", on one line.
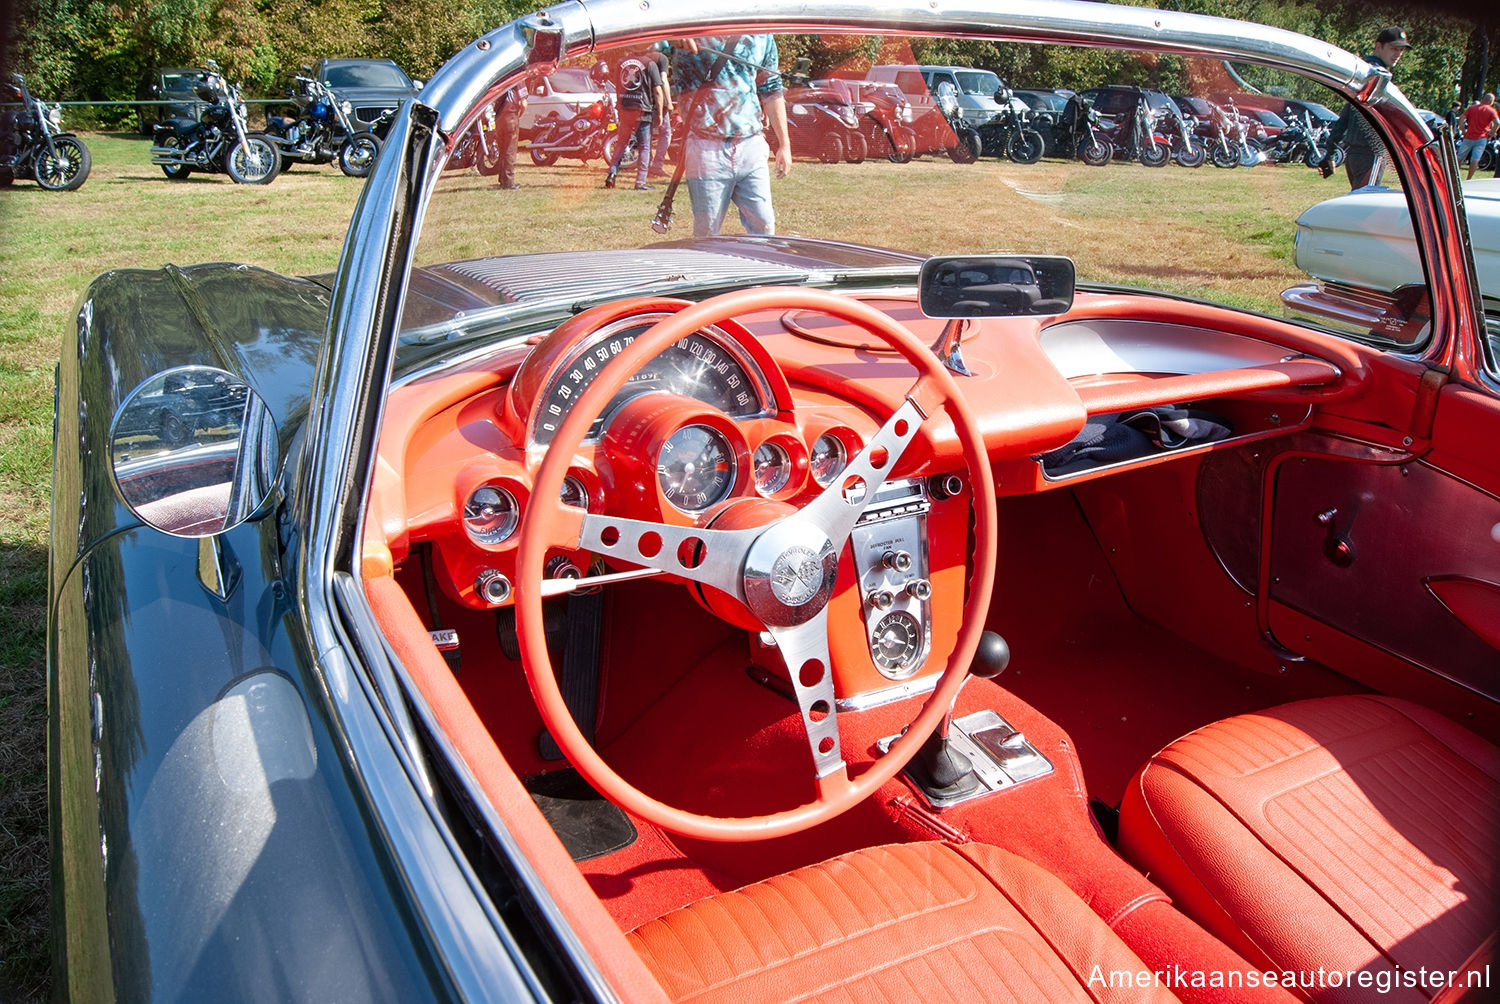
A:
{"points": [[726, 149]]}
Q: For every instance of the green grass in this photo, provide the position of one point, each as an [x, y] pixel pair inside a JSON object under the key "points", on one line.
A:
{"points": [[1207, 232]]}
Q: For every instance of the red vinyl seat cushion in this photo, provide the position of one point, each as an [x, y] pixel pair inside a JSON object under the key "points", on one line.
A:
{"points": [[909, 922], [1350, 833]]}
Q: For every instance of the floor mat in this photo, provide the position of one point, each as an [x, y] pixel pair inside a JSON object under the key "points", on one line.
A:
{"points": [[588, 824]]}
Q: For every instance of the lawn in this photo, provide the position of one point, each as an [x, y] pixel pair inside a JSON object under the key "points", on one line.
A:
{"points": [[1123, 220]]}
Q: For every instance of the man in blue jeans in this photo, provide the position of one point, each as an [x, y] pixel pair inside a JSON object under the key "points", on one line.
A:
{"points": [[726, 149], [639, 89]]}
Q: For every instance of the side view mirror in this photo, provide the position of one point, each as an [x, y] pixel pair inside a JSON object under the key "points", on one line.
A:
{"points": [[996, 286], [194, 452]]}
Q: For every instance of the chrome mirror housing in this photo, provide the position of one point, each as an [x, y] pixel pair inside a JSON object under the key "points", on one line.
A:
{"points": [[194, 452]]}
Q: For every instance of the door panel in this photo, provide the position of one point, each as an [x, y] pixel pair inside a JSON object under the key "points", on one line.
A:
{"points": [[1405, 556]]}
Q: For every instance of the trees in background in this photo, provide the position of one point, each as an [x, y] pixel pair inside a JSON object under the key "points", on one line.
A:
{"points": [[101, 49]]}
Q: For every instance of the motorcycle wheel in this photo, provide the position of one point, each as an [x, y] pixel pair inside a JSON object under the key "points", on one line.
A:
{"points": [[358, 154], [858, 149], [1487, 159], [66, 171], [1025, 146], [1193, 156], [1155, 155], [831, 150], [1224, 158], [609, 149], [542, 157], [174, 172], [1096, 152], [1252, 155], [257, 167], [1312, 156], [967, 149], [903, 146]]}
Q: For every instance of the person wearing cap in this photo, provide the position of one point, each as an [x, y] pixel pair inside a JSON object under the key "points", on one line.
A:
{"points": [[1480, 123], [1364, 152]]}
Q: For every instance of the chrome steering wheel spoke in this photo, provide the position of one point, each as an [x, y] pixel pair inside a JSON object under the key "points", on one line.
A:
{"points": [[804, 649], [712, 557]]}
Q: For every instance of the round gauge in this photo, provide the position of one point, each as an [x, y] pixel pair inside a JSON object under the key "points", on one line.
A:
{"points": [[491, 514], [698, 367], [896, 642], [574, 493], [828, 458], [696, 468], [773, 468]]}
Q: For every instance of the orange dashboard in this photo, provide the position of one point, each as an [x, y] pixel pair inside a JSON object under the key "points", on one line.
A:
{"points": [[767, 409]]}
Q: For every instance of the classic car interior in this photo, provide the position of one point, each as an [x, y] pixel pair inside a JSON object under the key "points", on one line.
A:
{"points": [[1182, 619]]}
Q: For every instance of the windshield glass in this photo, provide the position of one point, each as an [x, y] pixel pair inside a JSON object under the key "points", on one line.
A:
{"points": [[979, 83], [366, 75], [1262, 231]]}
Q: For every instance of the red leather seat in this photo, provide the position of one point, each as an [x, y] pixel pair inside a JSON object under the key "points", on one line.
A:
{"points": [[1351, 833], [908, 922]]}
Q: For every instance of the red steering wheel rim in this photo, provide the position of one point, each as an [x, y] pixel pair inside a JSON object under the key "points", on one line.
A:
{"points": [[547, 522]]}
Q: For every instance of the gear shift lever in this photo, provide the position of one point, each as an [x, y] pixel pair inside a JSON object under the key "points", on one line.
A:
{"points": [[942, 771]]}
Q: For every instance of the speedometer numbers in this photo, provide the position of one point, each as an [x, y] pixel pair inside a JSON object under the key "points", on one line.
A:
{"points": [[696, 468]]}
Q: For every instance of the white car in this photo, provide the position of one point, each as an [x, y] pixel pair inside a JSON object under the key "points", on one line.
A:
{"points": [[1364, 240]]}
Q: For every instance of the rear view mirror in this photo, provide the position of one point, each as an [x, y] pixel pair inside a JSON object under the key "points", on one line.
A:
{"points": [[996, 286]]}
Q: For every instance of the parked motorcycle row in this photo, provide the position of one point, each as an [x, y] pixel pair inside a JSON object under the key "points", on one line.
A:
{"points": [[1153, 136]]}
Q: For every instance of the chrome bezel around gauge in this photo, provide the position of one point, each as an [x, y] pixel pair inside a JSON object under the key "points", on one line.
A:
{"points": [[491, 514], [710, 349], [771, 468], [674, 486], [829, 443]]}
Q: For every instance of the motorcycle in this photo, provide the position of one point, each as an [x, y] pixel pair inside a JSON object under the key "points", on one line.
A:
{"points": [[1080, 132], [1300, 140], [322, 132], [1236, 140], [1187, 149], [592, 134], [218, 141], [1009, 133], [33, 145], [887, 131], [1137, 138], [957, 136]]}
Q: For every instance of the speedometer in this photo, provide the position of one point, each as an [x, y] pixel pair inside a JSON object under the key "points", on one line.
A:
{"points": [[704, 368]]}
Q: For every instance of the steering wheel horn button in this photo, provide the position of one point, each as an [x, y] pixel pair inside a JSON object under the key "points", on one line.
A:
{"points": [[790, 573]]}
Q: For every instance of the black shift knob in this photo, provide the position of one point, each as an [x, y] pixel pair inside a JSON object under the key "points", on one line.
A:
{"points": [[992, 656]]}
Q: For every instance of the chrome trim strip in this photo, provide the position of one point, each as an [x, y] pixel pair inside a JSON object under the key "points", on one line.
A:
{"points": [[889, 695]]}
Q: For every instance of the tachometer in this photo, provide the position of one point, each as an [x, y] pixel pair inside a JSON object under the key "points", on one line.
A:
{"points": [[701, 367], [696, 468]]}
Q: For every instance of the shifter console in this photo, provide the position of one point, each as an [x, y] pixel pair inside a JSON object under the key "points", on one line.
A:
{"points": [[1000, 756]]}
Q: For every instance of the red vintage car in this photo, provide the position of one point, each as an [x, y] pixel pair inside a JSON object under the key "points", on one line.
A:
{"points": [[621, 597]]}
